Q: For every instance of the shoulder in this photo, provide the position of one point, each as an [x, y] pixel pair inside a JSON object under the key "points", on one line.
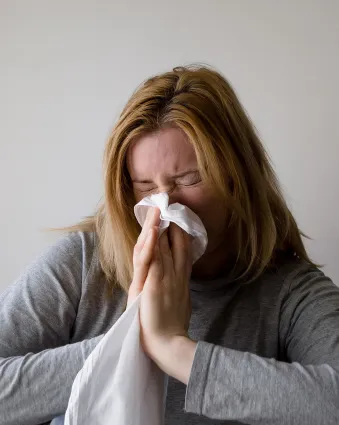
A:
{"points": [[63, 264], [75, 249], [304, 287], [300, 276], [73, 243], [294, 281], [294, 274], [309, 315], [39, 308]]}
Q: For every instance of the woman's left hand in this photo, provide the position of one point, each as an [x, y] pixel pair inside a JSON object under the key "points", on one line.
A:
{"points": [[165, 308]]}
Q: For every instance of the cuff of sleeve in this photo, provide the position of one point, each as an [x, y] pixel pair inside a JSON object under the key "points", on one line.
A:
{"points": [[195, 389]]}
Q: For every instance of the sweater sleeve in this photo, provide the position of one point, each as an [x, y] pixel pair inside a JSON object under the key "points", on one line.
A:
{"points": [[231, 385], [37, 312]]}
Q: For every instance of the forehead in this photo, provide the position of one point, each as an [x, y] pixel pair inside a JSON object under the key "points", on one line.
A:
{"points": [[166, 152]]}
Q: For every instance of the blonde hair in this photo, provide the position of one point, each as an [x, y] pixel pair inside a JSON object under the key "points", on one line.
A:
{"points": [[202, 103]]}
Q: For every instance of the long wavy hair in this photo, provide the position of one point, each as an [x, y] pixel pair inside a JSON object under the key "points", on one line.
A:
{"points": [[201, 102]]}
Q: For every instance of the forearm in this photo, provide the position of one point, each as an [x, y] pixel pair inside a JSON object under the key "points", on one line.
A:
{"points": [[36, 387], [231, 385]]}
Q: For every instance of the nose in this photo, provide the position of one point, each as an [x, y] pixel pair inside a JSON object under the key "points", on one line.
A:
{"points": [[174, 196], [173, 193]]}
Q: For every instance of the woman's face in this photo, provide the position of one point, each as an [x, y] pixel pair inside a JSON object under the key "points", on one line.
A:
{"points": [[165, 161]]}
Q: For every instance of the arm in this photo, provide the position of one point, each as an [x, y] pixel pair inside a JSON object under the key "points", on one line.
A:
{"points": [[231, 385], [228, 384], [37, 363]]}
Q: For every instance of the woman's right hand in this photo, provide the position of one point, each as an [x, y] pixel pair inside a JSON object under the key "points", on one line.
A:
{"points": [[143, 253]]}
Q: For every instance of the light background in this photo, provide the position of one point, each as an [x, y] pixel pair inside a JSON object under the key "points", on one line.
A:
{"points": [[68, 67]]}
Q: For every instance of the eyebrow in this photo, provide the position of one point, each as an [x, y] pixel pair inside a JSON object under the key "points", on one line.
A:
{"points": [[175, 176]]}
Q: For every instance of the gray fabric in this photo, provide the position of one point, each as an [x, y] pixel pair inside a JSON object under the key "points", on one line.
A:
{"points": [[268, 352]]}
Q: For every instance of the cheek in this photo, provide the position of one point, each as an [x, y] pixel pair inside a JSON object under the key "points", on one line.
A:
{"points": [[138, 196], [202, 203], [210, 211]]}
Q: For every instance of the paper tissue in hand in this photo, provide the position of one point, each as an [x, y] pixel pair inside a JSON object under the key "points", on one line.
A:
{"points": [[119, 384], [178, 214]]}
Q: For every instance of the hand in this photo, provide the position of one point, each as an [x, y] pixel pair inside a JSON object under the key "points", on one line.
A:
{"points": [[143, 252], [165, 308]]}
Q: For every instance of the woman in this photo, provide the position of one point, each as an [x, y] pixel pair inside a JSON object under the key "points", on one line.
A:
{"points": [[248, 334]]}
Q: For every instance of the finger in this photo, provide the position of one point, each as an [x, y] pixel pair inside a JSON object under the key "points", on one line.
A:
{"points": [[181, 250], [152, 219], [156, 272], [166, 254], [142, 263]]}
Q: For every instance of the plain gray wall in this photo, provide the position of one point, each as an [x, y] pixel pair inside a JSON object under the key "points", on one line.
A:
{"points": [[67, 68]]}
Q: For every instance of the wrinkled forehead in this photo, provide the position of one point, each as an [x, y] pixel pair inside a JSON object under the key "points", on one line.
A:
{"points": [[166, 152]]}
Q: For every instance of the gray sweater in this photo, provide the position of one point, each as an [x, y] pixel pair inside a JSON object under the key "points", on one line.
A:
{"points": [[268, 352]]}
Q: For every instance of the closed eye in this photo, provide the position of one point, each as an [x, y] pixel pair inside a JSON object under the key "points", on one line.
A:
{"points": [[144, 191], [189, 180], [190, 184]]}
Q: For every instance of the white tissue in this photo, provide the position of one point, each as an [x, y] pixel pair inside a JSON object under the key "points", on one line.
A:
{"points": [[119, 384], [178, 214]]}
